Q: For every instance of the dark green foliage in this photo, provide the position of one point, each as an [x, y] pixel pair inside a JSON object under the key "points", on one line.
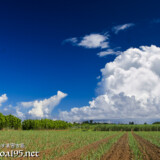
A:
{"points": [[85, 122], [2, 121], [9, 121], [131, 123], [12, 122], [44, 124], [156, 123], [91, 121]]}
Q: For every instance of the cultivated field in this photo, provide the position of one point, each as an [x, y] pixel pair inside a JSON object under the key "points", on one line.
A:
{"points": [[85, 145]]}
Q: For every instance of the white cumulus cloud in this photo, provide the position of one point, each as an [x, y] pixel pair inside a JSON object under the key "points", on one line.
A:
{"points": [[43, 108], [3, 98], [129, 88], [122, 27]]}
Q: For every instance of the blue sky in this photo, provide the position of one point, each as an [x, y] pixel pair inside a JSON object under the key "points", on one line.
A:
{"points": [[36, 61]]}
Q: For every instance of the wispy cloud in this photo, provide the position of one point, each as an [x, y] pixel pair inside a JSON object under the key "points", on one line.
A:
{"points": [[73, 40], [99, 40], [122, 27], [108, 52], [94, 40]]}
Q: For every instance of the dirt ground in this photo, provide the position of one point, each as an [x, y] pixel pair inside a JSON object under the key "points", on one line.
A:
{"points": [[119, 151]]}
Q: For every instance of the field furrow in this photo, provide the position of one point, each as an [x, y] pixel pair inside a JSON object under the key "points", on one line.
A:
{"points": [[119, 151], [76, 155], [149, 150]]}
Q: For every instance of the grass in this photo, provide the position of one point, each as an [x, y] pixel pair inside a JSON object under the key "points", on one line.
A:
{"points": [[52, 143]]}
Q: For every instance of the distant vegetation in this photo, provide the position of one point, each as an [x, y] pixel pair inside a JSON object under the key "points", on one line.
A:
{"points": [[12, 122], [120, 127], [89, 125], [44, 124], [9, 121]]}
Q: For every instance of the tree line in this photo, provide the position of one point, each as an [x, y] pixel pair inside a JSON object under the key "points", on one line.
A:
{"points": [[44, 124], [9, 121], [12, 122], [117, 127]]}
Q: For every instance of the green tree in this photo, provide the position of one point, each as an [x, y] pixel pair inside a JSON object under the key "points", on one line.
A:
{"points": [[2, 121]]}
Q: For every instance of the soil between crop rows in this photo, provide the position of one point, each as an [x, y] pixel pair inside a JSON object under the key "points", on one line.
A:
{"points": [[76, 155], [119, 151], [149, 150]]}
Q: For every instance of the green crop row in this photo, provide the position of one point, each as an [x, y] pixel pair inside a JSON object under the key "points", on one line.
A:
{"points": [[137, 155], [153, 137]]}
